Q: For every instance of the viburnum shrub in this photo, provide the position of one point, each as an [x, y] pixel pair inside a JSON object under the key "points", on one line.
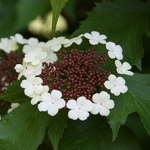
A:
{"points": [[57, 75]]}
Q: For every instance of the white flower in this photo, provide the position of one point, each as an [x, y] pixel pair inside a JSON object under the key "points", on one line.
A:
{"points": [[19, 38], [116, 85], [123, 68], [51, 55], [51, 102], [80, 108], [8, 45], [37, 97], [95, 38], [35, 57], [56, 43], [27, 69], [102, 103], [76, 40], [114, 51], [32, 85], [32, 43], [13, 106]]}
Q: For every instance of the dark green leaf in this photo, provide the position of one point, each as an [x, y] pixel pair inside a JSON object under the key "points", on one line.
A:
{"points": [[14, 93], [28, 10], [8, 16], [95, 134], [57, 6], [23, 129], [137, 99], [56, 128], [124, 22]]}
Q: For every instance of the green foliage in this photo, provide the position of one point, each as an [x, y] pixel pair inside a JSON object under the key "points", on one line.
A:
{"points": [[95, 134], [57, 6], [56, 128], [23, 129], [14, 93], [16, 15], [124, 22], [135, 100]]}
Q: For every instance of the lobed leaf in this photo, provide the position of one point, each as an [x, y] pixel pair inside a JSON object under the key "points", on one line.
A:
{"points": [[124, 22], [23, 129], [56, 128], [94, 133], [14, 93], [137, 99]]}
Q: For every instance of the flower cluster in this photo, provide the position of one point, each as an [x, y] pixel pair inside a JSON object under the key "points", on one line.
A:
{"points": [[56, 78], [9, 57]]}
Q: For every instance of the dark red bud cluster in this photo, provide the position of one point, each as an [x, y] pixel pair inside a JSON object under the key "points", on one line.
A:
{"points": [[75, 74]]}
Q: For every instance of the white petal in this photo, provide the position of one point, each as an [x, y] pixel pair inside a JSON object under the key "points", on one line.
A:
{"points": [[120, 81], [88, 36], [109, 104], [83, 115], [56, 94], [104, 95], [111, 54], [115, 91], [110, 45], [95, 109], [96, 98], [95, 33], [43, 106], [56, 48], [84, 103], [108, 85], [112, 77], [104, 111], [73, 114], [38, 89], [52, 110], [29, 91], [46, 97], [72, 104], [93, 42], [126, 66], [25, 84], [35, 100], [118, 64], [60, 103], [123, 89]]}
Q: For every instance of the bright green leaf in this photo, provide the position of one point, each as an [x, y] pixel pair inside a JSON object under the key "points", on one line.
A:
{"points": [[124, 22], [95, 134], [56, 128], [137, 99], [23, 129], [14, 93], [57, 6]]}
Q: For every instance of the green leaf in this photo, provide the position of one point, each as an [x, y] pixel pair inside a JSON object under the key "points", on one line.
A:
{"points": [[14, 93], [23, 129], [124, 22], [94, 133], [8, 16], [57, 6], [137, 99], [56, 128], [29, 10]]}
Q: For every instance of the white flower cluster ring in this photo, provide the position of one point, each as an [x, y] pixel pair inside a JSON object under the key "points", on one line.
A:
{"points": [[51, 101]]}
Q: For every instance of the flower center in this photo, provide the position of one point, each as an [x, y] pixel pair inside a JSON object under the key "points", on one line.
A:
{"points": [[75, 74]]}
